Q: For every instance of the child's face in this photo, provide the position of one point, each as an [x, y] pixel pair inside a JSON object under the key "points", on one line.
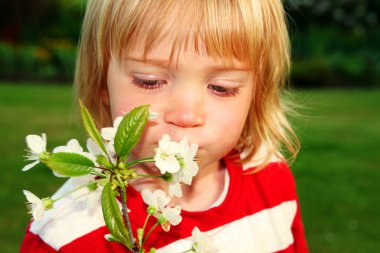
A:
{"points": [[195, 96]]}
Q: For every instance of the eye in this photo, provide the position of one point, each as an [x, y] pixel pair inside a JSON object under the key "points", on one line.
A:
{"points": [[223, 91], [148, 84]]}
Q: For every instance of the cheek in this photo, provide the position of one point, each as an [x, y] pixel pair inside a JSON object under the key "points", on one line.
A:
{"points": [[120, 108], [123, 101], [228, 125]]}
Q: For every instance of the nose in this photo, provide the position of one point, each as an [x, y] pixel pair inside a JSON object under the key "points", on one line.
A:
{"points": [[185, 109]]}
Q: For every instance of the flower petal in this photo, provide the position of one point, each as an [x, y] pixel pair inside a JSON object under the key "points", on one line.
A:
{"points": [[93, 147], [74, 146], [117, 122], [164, 141], [30, 196], [30, 165], [38, 211], [36, 143], [36, 205], [57, 174], [59, 149], [173, 214], [108, 133], [196, 234], [148, 197], [175, 190], [161, 199]]}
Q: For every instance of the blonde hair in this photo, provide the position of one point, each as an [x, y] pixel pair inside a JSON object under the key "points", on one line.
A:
{"points": [[251, 31]]}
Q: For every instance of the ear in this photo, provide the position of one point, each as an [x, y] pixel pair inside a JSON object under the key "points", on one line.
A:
{"points": [[104, 97]]}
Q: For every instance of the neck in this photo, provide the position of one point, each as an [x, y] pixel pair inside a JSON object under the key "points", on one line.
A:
{"points": [[204, 190]]}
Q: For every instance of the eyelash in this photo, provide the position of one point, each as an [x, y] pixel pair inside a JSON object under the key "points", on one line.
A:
{"points": [[223, 91], [156, 84], [147, 84]]}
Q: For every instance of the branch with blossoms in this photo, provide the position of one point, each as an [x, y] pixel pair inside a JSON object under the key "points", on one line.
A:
{"points": [[105, 171]]}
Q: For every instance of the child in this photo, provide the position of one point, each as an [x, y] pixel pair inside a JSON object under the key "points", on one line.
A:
{"points": [[213, 71]]}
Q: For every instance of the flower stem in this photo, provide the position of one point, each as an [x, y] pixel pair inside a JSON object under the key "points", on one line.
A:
{"points": [[126, 217], [148, 234], [97, 174], [143, 229], [143, 160], [147, 175], [190, 250]]}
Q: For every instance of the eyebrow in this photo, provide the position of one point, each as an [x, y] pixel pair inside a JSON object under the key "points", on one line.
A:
{"points": [[160, 63], [166, 64]]}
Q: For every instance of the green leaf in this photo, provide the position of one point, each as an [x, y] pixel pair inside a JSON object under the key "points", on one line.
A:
{"points": [[70, 164], [130, 130], [113, 217], [90, 127]]}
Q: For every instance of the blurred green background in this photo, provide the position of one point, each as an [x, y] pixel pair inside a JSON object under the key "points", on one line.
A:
{"points": [[335, 79]]}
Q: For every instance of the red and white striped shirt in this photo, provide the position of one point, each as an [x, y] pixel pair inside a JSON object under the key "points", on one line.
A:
{"points": [[258, 213]]}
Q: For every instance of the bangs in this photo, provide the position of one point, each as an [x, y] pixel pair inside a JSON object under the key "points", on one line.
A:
{"points": [[208, 27]]}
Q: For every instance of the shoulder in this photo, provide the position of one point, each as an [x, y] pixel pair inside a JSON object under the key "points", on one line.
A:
{"points": [[70, 218], [272, 178], [260, 165]]}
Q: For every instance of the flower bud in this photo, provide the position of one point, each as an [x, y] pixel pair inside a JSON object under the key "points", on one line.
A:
{"points": [[133, 175], [151, 210], [140, 234], [121, 165], [92, 186]]}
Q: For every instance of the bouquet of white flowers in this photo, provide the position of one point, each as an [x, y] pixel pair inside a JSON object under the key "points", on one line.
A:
{"points": [[107, 170]]}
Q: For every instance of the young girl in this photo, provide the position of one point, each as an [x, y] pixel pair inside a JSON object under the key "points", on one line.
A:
{"points": [[213, 71]]}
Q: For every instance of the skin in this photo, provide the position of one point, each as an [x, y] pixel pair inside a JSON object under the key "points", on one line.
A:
{"points": [[196, 96]]}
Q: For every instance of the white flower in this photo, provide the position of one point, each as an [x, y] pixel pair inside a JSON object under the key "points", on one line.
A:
{"points": [[108, 133], [158, 202], [166, 155], [189, 168], [177, 159], [200, 243], [172, 214], [156, 199], [36, 146], [37, 206]]}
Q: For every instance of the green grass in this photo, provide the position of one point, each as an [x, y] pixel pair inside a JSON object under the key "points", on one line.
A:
{"points": [[337, 171], [28, 109]]}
